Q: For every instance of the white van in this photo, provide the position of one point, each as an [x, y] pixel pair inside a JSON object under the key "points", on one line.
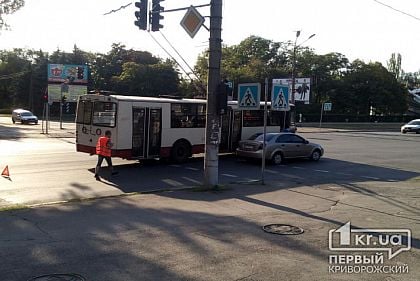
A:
{"points": [[23, 116]]}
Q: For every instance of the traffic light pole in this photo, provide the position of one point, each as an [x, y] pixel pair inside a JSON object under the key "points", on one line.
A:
{"points": [[211, 160], [61, 108]]}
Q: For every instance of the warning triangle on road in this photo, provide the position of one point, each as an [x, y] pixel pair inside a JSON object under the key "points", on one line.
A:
{"points": [[248, 99], [5, 172]]}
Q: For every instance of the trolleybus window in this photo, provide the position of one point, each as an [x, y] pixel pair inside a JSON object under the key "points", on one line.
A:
{"points": [[185, 115], [255, 118], [84, 112], [104, 114]]}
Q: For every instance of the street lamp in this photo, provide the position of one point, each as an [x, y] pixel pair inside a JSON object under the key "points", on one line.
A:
{"points": [[295, 47]]}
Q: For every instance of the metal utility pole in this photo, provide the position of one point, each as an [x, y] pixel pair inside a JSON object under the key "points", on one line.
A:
{"points": [[264, 132], [292, 115], [211, 160], [295, 47], [61, 107]]}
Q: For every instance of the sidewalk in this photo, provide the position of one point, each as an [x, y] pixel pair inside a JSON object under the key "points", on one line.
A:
{"points": [[11, 131], [348, 127], [206, 236]]}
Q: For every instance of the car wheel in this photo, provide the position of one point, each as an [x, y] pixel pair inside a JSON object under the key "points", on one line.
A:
{"points": [[404, 132], [13, 120], [180, 151], [277, 158], [316, 155]]}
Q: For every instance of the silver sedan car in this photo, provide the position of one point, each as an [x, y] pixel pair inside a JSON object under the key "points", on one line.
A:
{"points": [[279, 146], [412, 126]]}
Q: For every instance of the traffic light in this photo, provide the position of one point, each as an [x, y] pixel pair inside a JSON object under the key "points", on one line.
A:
{"points": [[80, 72], [155, 16], [63, 99], [45, 97], [222, 92], [141, 14]]}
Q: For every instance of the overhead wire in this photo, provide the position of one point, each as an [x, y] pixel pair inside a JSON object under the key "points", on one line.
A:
{"points": [[170, 55], [392, 8], [166, 51], [182, 58], [201, 86], [116, 10]]}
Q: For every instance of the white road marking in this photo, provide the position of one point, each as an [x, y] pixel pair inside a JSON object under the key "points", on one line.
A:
{"points": [[371, 178], [299, 168], [322, 171], [271, 171], [172, 182], [229, 175], [192, 180], [291, 176], [192, 169], [176, 166]]}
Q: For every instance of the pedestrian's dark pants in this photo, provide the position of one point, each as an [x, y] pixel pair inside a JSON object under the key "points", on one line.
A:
{"points": [[100, 160]]}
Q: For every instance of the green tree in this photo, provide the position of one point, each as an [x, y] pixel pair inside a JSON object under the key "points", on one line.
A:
{"points": [[104, 67], [9, 7], [251, 60], [15, 69], [147, 79], [394, 65], [370, 87]]}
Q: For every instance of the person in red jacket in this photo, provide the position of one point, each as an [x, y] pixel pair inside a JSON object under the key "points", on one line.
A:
{"points": [[103, 150]]}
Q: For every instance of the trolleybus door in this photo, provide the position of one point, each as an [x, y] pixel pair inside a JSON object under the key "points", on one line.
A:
{"points": [[155, 132], [231, 130], [147, 131], [235, 136]]}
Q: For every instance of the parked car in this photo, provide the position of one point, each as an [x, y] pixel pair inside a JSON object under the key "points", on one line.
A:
{"points": [[279, 146], [412, 126], [23, 116]]}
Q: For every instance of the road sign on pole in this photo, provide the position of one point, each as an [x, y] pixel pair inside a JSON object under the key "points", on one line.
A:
{"points": [[249, 95], [192, 21], [327, 106], [302, 88], [280, 97]]}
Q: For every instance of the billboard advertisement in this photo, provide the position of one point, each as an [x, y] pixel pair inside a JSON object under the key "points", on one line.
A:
{"points": [[71, 92], [69, 73]]}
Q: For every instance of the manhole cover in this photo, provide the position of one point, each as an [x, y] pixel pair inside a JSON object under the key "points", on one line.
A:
{"points": [[59, 277], [282, 229]]}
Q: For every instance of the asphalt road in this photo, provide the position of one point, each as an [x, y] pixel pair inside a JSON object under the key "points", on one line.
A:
{"points": [[48, 169], [370, 179]]}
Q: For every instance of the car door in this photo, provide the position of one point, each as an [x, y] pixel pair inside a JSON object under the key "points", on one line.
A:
{"points": [[301, 148], [283, 142]]}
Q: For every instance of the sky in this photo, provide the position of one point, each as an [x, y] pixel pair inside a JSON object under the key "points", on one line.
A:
{"points": [[358, 29]]}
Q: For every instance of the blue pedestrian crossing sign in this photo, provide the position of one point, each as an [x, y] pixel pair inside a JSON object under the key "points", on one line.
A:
{"points": [[280, 97], [249, 95]]}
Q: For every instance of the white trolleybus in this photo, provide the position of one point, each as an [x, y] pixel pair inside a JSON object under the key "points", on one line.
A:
{"points": [[148, 127]]}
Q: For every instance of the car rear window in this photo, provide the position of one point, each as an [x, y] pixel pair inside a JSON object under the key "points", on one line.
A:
{"points": [[261, 137]]}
